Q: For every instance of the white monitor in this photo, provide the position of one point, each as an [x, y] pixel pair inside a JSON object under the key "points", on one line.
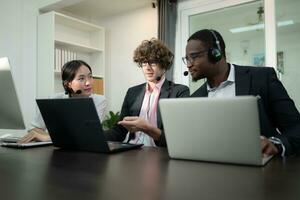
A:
{"points": [[10, 111]]}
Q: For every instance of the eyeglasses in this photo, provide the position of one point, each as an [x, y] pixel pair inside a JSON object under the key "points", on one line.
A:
{"points": [[151, 63], [193, 56], [84, 78]]}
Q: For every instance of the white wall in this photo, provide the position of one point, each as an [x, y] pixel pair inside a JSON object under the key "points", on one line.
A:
{"points": [[18, 41], [18, 19], [123, 34]]}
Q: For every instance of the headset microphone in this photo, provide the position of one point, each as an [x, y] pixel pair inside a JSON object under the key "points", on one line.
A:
{"points": [[185, 73], [78, 92], [158, 78]]}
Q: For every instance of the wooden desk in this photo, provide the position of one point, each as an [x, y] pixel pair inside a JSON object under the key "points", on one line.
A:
{"points": [[49, 173]]}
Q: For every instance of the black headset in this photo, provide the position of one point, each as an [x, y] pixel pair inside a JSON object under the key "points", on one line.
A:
{"points": [[214, 53]]}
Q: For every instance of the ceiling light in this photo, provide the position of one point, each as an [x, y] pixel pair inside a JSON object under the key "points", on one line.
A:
{"points": [[259, 26]]}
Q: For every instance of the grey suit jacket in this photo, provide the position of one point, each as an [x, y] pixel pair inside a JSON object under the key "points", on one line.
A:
{"points": [[279, 116], [133, 103]]}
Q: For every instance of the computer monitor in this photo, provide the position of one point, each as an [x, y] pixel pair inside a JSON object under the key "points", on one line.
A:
{"points": [[10, 110]]}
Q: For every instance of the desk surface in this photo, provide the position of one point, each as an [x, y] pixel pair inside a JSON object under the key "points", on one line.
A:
{"points": [[148, 173]]}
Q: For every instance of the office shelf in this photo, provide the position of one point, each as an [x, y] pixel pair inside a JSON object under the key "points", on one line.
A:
{"points": [[62, 38]]}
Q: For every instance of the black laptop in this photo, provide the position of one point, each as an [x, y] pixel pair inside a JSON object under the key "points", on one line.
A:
{"points": [[73, 123]]}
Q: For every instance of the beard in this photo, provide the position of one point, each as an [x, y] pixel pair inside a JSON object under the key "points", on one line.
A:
{"points": [[197, 77]]}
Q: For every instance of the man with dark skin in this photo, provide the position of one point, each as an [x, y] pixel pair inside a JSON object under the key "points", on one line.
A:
{"points": [[206, 58]]}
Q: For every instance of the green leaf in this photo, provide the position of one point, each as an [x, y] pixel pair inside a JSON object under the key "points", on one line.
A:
{"points": [[110, 120]]}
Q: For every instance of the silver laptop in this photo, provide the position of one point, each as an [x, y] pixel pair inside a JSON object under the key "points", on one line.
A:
{"points": [[12, 143], [225, 130]]}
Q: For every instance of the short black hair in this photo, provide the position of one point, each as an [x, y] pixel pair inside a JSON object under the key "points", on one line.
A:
{"points": [[68, 72], [206, 36]]}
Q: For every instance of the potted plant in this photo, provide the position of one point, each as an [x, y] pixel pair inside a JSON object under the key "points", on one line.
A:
{"points": [[110, 120]]}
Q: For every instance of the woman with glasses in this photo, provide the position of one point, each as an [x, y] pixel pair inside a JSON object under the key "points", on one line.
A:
{"points": [[140, 114], [77, 81]]}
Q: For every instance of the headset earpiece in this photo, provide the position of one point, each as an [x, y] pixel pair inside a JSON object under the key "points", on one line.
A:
{"points": [[214, 53]]}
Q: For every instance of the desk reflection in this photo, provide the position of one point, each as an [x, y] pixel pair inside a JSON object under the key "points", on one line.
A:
{"points": [[147, 173], [74, 173]]}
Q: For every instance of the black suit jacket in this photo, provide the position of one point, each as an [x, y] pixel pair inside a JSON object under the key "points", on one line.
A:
{"points": [[279, 116], [133, 103]]}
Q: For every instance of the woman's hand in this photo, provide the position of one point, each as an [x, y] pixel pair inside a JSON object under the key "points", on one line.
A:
{"points": [[35, 134]]}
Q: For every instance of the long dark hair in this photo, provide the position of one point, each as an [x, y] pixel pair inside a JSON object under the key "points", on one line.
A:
{"points": [[68, 72]]}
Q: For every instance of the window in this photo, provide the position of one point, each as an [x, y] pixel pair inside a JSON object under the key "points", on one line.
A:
{"points": [[288, 47], [242, 28]]}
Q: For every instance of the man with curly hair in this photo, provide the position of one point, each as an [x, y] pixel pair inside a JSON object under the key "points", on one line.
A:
{"points": [[140, 114]]}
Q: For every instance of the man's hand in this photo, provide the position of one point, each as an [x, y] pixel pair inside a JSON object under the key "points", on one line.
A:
{"points": [[35, 134], [268, 148], [134, 124]]}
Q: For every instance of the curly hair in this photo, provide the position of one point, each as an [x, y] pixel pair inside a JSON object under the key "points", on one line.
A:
{"points": [[153, 50]]}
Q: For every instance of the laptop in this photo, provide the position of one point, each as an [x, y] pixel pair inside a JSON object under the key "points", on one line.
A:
{"points": [[11, 141], [225, 130], [73, 123], [11, 118]]}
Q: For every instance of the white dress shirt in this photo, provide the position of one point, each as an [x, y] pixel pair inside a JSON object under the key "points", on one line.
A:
{"points": [[225, 89]]}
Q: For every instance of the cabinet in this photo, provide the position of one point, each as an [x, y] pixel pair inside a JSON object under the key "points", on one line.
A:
{"points": [[62, 38]]}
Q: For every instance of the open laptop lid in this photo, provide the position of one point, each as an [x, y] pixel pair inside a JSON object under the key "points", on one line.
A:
{"points": [[73, 123], [11, 115], [213, 129]]}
